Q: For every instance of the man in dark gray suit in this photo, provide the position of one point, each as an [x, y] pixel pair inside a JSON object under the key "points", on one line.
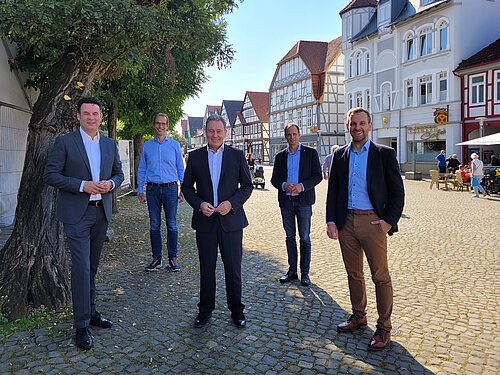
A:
{"points": [[85, 167]]}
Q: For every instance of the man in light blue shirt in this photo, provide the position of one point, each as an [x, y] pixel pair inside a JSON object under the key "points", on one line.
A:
{"points": [[160, 168]]}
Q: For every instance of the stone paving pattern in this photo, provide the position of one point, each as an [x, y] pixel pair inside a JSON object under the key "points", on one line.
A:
{"points": [[445, 269]]}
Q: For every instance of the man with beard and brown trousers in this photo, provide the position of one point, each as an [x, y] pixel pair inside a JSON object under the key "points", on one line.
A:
{"points": [[364, 203]]}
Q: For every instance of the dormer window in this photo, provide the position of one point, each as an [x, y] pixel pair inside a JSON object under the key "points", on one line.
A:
{"points": [[384, 13]]}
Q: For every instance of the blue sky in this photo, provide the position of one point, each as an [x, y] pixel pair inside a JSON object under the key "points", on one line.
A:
{"points": [[262, 32]]}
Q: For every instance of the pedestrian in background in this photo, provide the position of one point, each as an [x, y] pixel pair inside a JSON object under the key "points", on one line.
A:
{"points": [[85, 167], [364, 203], [453, 163], [476, 175], [296, 172], [160, 167], [216, 184], [441, 159], [328, 162]]}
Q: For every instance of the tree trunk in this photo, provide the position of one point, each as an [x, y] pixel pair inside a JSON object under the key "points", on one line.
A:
{"points": [[33, 265], [138, 142], [112, 119]]}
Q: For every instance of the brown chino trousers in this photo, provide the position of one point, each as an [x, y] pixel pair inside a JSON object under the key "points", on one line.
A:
{"points": [[358, 235]]}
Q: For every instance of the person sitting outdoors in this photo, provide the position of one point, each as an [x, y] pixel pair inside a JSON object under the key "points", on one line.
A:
{"points": [[453, 163], [463, 172]]}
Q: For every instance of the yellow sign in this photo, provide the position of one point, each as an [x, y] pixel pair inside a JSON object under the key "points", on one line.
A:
{"points": [[385, 120], [441, 116]]}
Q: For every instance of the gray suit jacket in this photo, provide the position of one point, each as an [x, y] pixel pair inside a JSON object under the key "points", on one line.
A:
{"points": [[68, 165]]}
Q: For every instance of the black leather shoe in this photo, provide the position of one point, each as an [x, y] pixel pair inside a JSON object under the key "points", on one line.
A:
{"points": [[288, 277], [240, 323], [83, 338], [305, 280], [98, 321], [201, 320]]}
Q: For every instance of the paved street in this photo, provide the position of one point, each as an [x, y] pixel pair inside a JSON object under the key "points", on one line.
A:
{"points": [[445, 269]]}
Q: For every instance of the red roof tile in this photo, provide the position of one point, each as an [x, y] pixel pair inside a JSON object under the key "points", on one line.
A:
{"points": [[358, 4], [488, 54], [260, 103], [334, 49], [312, 54]]}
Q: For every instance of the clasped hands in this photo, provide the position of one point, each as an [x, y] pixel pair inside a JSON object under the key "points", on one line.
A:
{"points": [[100, 187], [293, 188], [223, 208]]}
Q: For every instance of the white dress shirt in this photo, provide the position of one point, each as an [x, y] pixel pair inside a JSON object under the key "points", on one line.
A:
{"points": [[94, 155], [215, 166]]}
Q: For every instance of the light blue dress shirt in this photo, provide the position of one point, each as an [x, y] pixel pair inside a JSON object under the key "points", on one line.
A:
{"points": [[94, 155], [292, 168], [358, 198], [215, 166], [160, 163]]}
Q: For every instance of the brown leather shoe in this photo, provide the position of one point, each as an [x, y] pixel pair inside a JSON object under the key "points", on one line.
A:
{"points": [[380, 339], [352, 324]]}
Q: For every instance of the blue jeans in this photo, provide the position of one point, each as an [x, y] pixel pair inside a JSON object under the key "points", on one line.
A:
{"points": [[290, 210], [166, 197]]}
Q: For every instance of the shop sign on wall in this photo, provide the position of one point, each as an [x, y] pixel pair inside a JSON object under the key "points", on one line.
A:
{"points": [[426, 132], [441, 115]]}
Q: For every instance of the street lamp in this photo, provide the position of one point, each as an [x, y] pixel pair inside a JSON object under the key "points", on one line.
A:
{"points": [[481, 123]]}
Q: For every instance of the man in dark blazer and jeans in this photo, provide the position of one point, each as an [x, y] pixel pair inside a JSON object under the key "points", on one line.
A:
{"points": [[364, 203], [295, 174], [85, 167], [216, 184]]}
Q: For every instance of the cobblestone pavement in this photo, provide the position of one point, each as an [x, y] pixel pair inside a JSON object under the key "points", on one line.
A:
{"points": [[445, 269]]}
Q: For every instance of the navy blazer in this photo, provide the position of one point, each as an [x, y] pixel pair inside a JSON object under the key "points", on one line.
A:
{"points": [[309, 174], [68, 164], [384, 182], [235, 186]]}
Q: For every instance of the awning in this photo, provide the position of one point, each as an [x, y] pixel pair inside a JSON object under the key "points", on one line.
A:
{"points": [[493, 139]]}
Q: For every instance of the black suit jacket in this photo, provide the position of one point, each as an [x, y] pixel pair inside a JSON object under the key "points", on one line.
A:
{"points": [[235, 186], [384, 182], [309, 174]]}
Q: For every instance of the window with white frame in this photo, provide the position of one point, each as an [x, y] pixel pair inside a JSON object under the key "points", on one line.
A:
{"points": [[409, 47], [367, 62], [299, 117], [497, 86], [385, 12], [443, 86], [290, 117], [443, 36], [350, 102], [367, 93], [409, 92], [309, 116], [359, 65], [350, 68], [425, 39], [425, 84], [386, 97], [477, 89], [359, 99]]}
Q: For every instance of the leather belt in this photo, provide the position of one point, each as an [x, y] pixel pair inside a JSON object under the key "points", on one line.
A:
{"points": [[165, 184], [95, 203], [360, 212], [293, 197]]}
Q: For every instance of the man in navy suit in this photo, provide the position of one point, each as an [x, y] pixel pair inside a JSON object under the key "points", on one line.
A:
{"points": [[85, 167], [216, 184], [295, 174], [364, 203]]}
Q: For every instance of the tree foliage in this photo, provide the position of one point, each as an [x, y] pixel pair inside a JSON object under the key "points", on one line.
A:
{"points": [[66, 46]]}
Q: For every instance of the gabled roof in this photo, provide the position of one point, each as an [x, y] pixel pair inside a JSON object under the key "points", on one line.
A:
{"points": [[358, 4], [195, 123], [214, 109], [184, 125], [334, 49], [488, 54], [260, 104], [312, 54], [231, 106]]}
